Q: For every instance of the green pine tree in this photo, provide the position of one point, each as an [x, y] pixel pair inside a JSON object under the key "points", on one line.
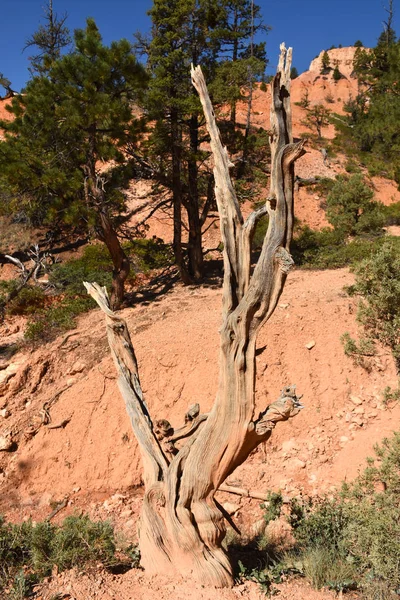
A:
{"points": [[66, 124], [325, 63], [49, 39], [375, 113], [198, 32], [336, 74]]}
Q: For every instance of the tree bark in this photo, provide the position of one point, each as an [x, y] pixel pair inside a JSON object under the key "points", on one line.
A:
{"points": [[121, 264], [176, 151], [195, 250], [182, 525]]}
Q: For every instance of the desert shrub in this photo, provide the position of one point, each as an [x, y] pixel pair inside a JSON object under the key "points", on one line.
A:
{"points": [[336, 74], [350, 208], [392, 214], [352, 166], [378, 285], [359, 351], [29, 300], [325, 569], [272, 506], [29, 551], [353, 538], [94, 265], [148, 254], [46, 324], [328, 249]]}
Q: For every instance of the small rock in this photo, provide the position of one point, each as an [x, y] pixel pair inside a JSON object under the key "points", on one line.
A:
{"points": [[77, 367], [258, 528], [348, 417], [344, 439], [297, 463], [130, 525], [356, 400], [76, 489], [71, 381], [283, 305], [125, 514], [310, 345], [6, 442], [372, 413], [231, 508], [359, 410], [118, 498], [289, 446], [5, 413]]}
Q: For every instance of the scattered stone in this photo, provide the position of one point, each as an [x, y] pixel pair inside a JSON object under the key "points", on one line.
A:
{"points": [[310, 345], [125, 514], [77, 367], [359, 410], [289, 446], [5, 413], [343, 439], [76, 489], [296, 463], [356, 400], [348, 417], [257, 528], [372, 413], [283, 305], [6, 442], [231, 508]]}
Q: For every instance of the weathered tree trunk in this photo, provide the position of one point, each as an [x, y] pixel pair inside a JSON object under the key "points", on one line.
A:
{"points": [[96, 200], [121, 264], [176, 143], [195, 250], [182, 525]]}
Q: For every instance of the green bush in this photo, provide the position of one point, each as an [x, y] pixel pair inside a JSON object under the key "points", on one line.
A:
{"points": [[45, 325], [71, 300], [29, 300], [94, 265], [350, 208], [353, 539], [28, 551], [392, 214], [149, 254], [378, 284]]}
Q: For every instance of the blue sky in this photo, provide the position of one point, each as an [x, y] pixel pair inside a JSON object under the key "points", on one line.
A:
{"points": [[308, 25]]}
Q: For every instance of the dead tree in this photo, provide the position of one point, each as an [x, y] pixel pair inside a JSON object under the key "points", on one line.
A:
{"points": [[182, 525]]}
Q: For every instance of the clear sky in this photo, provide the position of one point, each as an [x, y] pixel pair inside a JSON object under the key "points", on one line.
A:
{"points": [[309, 26]]}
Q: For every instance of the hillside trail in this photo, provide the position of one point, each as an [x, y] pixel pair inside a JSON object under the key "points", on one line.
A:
{"points": [[84, 452]]}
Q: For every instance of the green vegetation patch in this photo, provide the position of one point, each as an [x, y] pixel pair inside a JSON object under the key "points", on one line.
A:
{"points": [[29, 551], [55, 311], [350, 540]]}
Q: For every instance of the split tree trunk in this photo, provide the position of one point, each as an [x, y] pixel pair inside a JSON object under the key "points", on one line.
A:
{"points": [[182, 525]]}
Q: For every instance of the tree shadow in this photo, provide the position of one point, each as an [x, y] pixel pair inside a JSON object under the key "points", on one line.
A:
{"points": [[163, 282], [247, 555]]}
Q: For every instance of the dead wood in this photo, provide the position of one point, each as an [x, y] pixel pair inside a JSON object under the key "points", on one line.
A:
{"points": [[182, 526]]}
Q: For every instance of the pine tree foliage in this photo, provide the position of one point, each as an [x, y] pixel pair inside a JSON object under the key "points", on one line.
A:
{"points": [[49, 39], [375, 114], [216, 35], [325, 62], [350, 207], [378, 285], [65, 124]]}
